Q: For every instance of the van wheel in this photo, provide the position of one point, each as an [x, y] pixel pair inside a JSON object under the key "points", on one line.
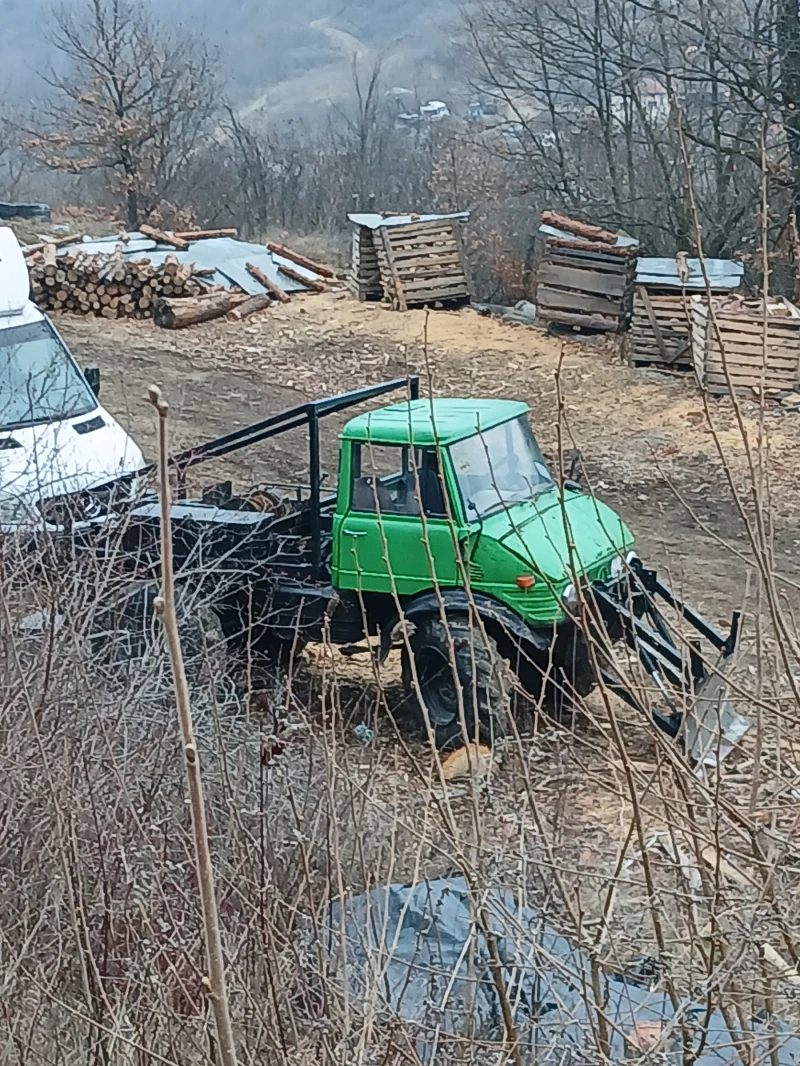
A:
{"points": [[479, 677]]}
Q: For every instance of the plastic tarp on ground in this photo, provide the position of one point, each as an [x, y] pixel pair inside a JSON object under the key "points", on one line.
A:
{"points": [[416, 951], [225, 255]]}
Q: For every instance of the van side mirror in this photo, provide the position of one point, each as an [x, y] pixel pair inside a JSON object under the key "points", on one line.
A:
{"points": [[92, 375]]}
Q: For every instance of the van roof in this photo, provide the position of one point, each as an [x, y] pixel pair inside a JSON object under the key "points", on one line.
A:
{"points": [[15, 285]]}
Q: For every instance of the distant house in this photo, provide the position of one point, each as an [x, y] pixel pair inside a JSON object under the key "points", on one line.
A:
{"points": [[434, 111], [654, 100]]}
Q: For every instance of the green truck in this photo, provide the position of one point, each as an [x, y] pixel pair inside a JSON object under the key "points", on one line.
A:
{"points": [[448, 536]]}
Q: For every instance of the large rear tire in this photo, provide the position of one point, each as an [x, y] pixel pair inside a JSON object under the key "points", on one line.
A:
{"points": [[479, 677]]}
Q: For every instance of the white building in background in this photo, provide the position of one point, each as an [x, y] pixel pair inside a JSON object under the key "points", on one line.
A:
{"points": [[654, 100]]}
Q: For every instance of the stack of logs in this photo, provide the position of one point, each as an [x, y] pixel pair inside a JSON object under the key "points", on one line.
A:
{"points": [[108, 285], [172, 294]]}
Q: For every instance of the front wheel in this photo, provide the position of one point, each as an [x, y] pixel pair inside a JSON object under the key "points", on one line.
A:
{"points": [[457, 666]]}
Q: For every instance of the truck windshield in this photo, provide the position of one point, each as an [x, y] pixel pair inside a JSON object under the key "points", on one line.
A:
{"points": [[39, 382], [498, 467]]}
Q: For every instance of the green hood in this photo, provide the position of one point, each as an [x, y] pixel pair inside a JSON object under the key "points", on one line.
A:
{"points": [[540, 530]]}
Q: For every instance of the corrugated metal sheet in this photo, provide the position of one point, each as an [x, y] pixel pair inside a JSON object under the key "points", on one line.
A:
{"points": [[227, 256], [375, 221], [565, 235], [722, 273]]}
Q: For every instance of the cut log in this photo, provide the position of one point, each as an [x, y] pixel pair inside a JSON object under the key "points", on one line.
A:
{"points": [[204, 234], [580, 229], [164, 238], [593, 246], [269, 285], [312, 286], [255, 303], [301, 260], [29, 249], [178, 314], [50, 255]]}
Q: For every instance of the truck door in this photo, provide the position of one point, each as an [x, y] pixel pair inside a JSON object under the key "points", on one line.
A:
{"points": [[378, 539]]}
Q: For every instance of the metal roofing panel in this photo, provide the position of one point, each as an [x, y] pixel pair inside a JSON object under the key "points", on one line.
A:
{"points": [[722, 273], [225, 255], [375, 221]]}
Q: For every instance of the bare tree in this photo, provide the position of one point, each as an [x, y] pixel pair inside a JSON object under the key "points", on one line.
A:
{"points": [[134, 102]]}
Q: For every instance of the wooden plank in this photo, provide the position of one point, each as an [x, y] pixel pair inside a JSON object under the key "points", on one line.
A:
{"points": [[593, 246], [433, 284], [641, 292], [576, 257], [576, 301], [585, 321], [405, 259], [396, 284], [584, 280], [417, 229]]}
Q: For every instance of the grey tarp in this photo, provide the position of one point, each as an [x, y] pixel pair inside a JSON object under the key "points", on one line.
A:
{"points": [[408, 950]]}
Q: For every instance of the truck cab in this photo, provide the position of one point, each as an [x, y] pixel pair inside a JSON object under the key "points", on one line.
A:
{"points": [[448, 492], [56, 440]]}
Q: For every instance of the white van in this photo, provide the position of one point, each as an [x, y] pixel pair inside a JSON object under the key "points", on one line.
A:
{"points": [[56, 441]]}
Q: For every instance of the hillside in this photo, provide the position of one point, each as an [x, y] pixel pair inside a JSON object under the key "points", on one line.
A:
{"points": [[278, 60]]}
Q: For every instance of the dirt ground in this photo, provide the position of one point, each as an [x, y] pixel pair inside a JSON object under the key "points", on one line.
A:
{"points": [[649, 450], [648, 447]]}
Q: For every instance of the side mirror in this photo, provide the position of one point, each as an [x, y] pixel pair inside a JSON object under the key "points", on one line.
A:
{"points": [[92, 375]]}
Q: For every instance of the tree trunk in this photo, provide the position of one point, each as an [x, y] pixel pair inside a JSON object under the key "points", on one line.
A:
{"points": [[133, 209], [301, 260], [788, 36], [187, 311]]}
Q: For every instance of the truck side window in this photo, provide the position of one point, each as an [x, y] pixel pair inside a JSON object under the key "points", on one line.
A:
{"points": [[384, 480]]}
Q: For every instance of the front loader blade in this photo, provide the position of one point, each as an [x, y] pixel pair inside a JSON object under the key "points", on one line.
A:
{"points": [[712, 727]]}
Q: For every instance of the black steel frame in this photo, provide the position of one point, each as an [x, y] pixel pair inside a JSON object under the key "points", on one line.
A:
{"points": [[306, 414]]}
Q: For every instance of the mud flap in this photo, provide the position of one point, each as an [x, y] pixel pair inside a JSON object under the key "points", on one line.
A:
{"points": [[713, 727]]}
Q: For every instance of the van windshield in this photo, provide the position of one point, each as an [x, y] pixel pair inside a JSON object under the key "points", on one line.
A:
{"points": [[39, 382], [499, 467]]}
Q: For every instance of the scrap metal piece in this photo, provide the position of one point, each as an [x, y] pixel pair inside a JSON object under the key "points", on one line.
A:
{"points": [[713, 727]]}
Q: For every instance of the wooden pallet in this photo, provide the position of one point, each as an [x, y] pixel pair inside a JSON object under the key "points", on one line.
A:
{"points": [[661, 328], [729, 348], [364, 279], [421, 263], [583, 288]]}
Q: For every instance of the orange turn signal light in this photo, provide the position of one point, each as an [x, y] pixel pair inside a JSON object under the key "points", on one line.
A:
{"points": [[526, 581]]}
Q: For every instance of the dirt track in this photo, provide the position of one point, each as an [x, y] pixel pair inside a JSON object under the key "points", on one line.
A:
{"points": [[645, 437]]}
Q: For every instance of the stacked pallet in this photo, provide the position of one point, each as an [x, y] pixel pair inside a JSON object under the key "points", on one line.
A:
{"points": [[585, 275], [736, 345], [661, 328], [421, 263], [408, 260], [108, 285], [364, 278], [662, 308]]}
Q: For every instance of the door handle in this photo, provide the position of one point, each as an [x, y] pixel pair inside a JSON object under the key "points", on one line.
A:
{"points": [[354, 532]]}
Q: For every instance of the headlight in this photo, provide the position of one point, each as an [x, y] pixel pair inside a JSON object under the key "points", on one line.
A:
{"points": [[569, 596]]}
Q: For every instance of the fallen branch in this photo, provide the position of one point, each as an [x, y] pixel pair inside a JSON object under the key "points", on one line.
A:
{"points": [[164, 238], [269, 285], [164, 606], [301, 260], [311, 285]]}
